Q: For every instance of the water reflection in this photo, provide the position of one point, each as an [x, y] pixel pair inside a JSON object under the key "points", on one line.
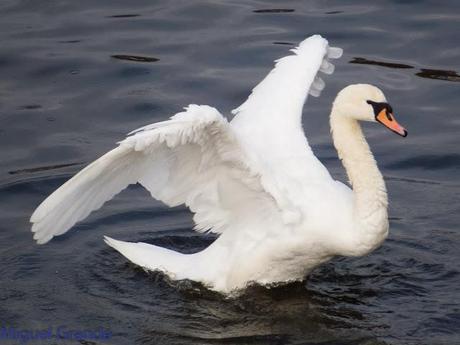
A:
{"points": [[282, 314], [439, 74], [135, 58], [275, 10], [31, 106], [69, 41], [284, 43], [43, 168], [124, 16], [364, 61]]}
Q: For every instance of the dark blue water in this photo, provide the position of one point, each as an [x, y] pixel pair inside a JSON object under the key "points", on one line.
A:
{"points": [[75, 76]]}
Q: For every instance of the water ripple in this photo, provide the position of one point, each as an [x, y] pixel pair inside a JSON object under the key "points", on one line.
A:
{"points": [[135, 58], [64, 100]]}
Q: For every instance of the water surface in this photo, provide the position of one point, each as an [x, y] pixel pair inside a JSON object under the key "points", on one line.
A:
{"points": [[76, 76]]}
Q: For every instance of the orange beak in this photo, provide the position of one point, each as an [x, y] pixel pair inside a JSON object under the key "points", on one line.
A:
{"points": [[387, 119]]}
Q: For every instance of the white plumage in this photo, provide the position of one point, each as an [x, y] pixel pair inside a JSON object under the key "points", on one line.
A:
{"points": [[255, 181]]}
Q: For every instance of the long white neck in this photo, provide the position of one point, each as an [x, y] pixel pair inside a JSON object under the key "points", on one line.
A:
{"points": [[370, 201]]}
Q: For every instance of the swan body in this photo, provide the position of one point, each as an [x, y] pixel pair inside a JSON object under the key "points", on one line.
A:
{"points": [[255, 181]]}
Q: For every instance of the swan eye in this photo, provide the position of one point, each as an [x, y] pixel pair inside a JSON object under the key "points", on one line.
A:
{"points": [[378, 107], [388, 114]]}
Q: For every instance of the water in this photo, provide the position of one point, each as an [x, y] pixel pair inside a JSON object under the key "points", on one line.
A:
{"points": [[75, 76]]}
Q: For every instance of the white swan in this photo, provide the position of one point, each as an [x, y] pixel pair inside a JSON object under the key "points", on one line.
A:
{"points": [[254, 180]]}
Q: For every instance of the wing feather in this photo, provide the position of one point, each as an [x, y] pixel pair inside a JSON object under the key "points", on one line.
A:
{"points": [[227, 174], [274, 107], [269, 125], [184, 160]]}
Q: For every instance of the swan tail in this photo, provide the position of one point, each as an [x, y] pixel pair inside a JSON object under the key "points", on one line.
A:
{"points": [[154, 258]]}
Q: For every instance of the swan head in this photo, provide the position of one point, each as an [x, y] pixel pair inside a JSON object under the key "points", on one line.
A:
{"points": [[366, 102]]}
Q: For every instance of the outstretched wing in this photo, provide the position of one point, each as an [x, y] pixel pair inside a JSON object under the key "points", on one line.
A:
{"points": [[193, 158], [247, 172], [269, 123], [272, 114], [282, 93]]}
